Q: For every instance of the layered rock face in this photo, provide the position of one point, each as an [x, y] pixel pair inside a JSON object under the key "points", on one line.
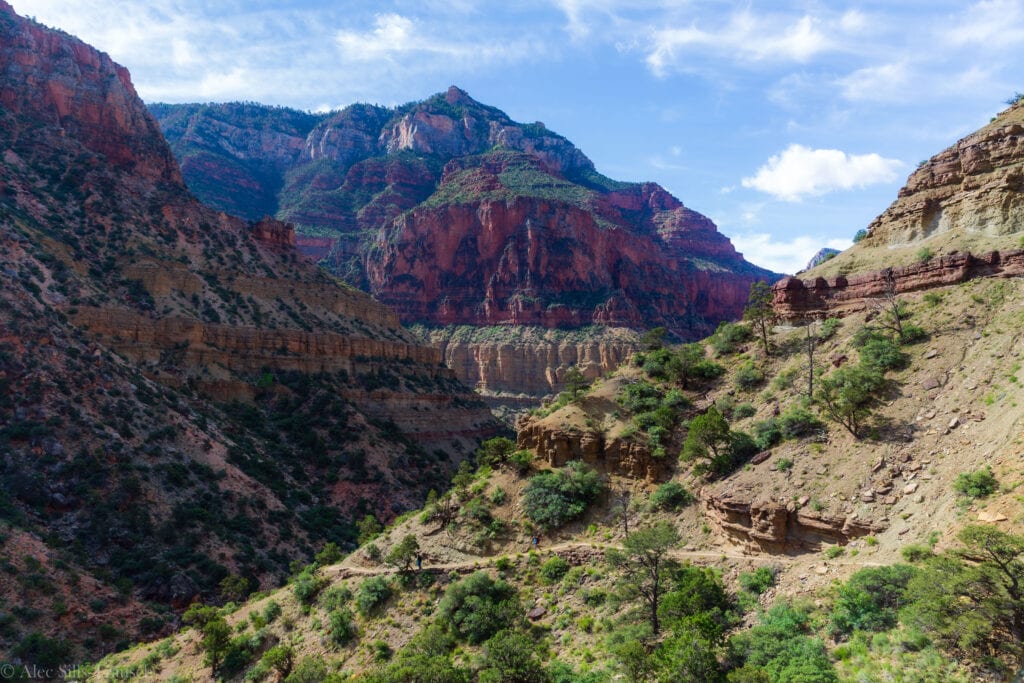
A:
{"points": [[975, 186], [624, 457], [770, 526], [795, 299], [567, 261], [454, 214], [180, 392]]}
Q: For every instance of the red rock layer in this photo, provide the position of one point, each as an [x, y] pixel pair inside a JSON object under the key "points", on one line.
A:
{"points": [[531, 261], [793, 298]]}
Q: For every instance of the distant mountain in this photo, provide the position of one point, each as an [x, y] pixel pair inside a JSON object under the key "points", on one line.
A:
{"points": [[822, 255], [183, 399], [452, 213]]}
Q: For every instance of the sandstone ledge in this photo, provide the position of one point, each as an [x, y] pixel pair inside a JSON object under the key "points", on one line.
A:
{"points": [[794, 299]]}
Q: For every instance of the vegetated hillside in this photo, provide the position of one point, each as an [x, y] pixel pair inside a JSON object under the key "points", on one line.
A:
{"points": [[875, 525], [457, 216], [184, 400]]}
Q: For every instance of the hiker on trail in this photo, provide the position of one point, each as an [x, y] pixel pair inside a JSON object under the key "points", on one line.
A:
{"points": [[419, 561], [536, 541]]}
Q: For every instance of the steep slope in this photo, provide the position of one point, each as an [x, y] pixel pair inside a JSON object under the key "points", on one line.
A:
{"points": [[807, 512], [456, 215], [182, 397], [967, 198]]}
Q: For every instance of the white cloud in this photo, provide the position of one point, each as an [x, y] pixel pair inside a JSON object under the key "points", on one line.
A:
{"points": [[783, 255], [989, 24], [395, 35], [800, 172], [745, 36], [884, 83]]}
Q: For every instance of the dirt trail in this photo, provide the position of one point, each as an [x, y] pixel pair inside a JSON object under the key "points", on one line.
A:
{"points": [[343, 571]]}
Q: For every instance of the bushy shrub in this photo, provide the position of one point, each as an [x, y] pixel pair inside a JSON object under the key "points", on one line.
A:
{"points": [[478, 607], [882, 353], [912, 334], [828, 328], [729, 336], [639, 397], [767, 433], [748, 376], [869, 601], [757, 581], [671, 496], [307, 585], [342, 628], [743, 410], [555, 497], [554, 569], [521, 461], [978, 484], [799, 422], [372, 593]]}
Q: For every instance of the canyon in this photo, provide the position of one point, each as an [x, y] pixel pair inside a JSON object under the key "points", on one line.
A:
{"points": [[455, 215]]}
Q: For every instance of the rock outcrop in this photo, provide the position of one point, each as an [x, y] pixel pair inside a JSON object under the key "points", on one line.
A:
{"points": [[974, 186], [613, 455], [794, 299], [770, 526]]}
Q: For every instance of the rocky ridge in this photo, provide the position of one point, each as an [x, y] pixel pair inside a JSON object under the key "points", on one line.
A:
{"points": [[183, 398]]}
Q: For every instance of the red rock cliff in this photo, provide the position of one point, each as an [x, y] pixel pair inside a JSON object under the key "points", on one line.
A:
{"points": [[632, 258], [79, 90]]}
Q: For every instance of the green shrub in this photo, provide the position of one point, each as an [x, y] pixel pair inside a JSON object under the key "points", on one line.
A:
{"points": [[828, 329], [495, 452], [779, 646], [912, 334], [799, 422], [639, 397], [671, 496], [555, 497], [871, 598], [334, 598], [924, 254], [743, 410], [307, 585], [342, 628], [784, 465], [521, 461], [916, 552], [554, 569], [767, 433], [978, 484], [478, 607], [859, 235], [882, 353], [372, 593], [729, 336], [748, 376], [757, 581]]}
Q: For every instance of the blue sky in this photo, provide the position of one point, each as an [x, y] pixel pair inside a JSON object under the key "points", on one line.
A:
{"points": [[791, 124]]}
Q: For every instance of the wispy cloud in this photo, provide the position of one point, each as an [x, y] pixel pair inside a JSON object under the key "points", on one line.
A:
{"points": [[991, 24], [394, 35], [800, 172], [783, 255], [744, 37]]}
